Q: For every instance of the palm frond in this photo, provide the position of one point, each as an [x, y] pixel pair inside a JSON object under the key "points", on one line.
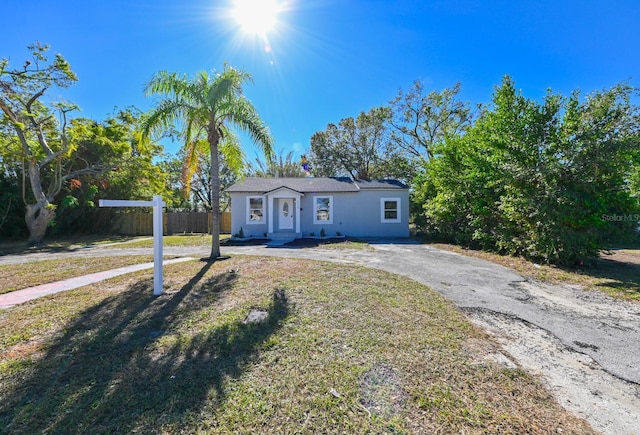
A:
{"points": [[189, 166], [195, 144], [243, 115], [233, 154], [227, 86], [168, 84], [165, 116]]}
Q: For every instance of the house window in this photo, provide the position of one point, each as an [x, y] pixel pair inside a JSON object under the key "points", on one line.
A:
{"points": [[255, 210], [323, 210], [389, 210]]}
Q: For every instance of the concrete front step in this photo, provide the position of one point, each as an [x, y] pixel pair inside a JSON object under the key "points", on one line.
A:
{"points": [[274, 243], [280, 239], [283, 236]]}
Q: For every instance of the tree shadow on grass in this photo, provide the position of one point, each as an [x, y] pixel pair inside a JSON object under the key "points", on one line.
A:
{"points": [[55, 245], [620, 275], [122, 366]]}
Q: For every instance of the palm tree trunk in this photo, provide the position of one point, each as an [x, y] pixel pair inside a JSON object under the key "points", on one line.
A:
{"points": [[214, 138]]}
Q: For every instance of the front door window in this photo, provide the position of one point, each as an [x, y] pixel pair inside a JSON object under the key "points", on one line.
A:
{"points": [[286, 214]]}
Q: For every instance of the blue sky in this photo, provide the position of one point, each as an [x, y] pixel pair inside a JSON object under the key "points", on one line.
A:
{"points": [[330, 59]]}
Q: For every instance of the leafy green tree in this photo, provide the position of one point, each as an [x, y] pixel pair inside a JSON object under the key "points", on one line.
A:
{"points": [[360, 148], [280, 167], [132, 173], [11, 206], [207, 106], [12, 209], [549, 181], [422, 121], [43, 138], [172, 166]]}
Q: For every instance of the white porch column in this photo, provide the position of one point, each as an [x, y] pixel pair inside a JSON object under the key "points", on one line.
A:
{"points": [[298, 214], [270, 213]]}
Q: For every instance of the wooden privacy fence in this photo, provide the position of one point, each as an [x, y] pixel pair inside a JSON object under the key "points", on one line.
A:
{"points": [[141, 224]]}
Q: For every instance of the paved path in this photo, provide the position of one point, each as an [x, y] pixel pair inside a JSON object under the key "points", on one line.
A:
{"points": [[584, 344]]}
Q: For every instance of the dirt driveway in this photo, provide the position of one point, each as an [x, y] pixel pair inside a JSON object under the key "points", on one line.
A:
{"points": [[584, 345]]}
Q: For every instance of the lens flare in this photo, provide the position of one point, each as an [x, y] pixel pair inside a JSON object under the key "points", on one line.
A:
{"points": [[256, 17]]}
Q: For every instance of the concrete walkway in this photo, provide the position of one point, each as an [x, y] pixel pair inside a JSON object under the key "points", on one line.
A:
{"points": [[20, 296]]}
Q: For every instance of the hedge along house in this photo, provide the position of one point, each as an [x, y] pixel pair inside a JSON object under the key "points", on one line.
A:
{"points": [[290, 208]]}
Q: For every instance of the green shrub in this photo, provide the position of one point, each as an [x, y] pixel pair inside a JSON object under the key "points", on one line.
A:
{"points": [[548, 181]]}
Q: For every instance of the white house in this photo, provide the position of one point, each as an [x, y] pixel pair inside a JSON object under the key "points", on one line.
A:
{"points": [[289, 208]]}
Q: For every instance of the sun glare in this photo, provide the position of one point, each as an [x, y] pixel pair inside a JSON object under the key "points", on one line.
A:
{"points": [[256, 17]]}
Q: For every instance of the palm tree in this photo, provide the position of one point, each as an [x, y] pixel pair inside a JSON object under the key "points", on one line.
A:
{"points": [[279, 167], [205, 107]]}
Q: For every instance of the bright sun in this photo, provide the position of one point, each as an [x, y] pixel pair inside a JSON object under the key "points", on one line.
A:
{"points": [[256, 16]]}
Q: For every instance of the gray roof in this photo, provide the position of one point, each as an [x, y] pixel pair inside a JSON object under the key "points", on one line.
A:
{"points": [[312, 184], [380, 184]]}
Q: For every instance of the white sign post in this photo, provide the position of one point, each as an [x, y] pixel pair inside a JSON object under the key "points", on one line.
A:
{"points": [[157, 205]]}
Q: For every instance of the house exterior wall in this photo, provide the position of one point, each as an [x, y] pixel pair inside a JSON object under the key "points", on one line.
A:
{"points": [[239, 212], [354, 214], [357, 214]]}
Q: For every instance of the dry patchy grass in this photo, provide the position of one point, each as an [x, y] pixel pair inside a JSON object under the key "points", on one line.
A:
{"points": [[344, 350], [349, 245], [330, 243]]}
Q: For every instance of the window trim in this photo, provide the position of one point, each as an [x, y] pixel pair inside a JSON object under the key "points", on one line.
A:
{"points": [[248, 215], [315, 210], [398, 210]]}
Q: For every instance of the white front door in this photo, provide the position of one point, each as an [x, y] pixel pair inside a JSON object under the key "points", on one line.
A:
{"points": [[285, 217]]}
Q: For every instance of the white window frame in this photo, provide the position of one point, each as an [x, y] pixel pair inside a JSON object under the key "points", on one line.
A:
{"points": [[315, 210], [264, 211], [382, 210]]}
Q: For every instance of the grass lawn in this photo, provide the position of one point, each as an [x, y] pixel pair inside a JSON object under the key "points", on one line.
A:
{"points": [[343, 350], [43, 272], [339, 244], [616, 274], [176, 240], [16, 277]]}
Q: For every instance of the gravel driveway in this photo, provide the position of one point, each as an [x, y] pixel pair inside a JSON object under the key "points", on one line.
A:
{"points": [[584, 345]]}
